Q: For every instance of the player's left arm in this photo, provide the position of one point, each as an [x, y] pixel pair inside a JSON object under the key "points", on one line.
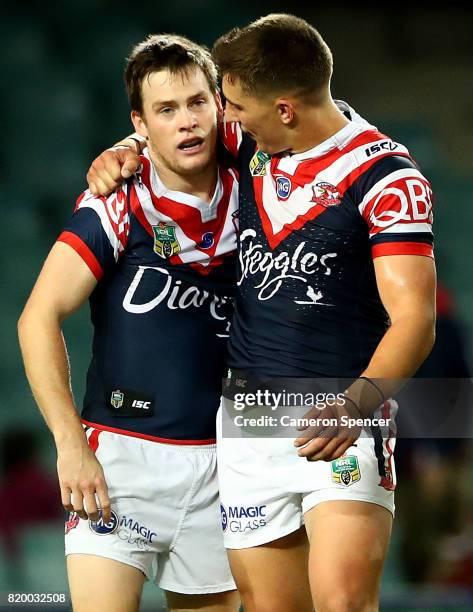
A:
{"points": [[407, 287]]}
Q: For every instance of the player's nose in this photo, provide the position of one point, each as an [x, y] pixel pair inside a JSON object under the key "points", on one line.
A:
{"points": [[187, 120]]}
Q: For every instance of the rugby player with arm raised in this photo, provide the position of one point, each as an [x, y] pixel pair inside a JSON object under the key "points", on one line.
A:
{"points": [[137, 470]]}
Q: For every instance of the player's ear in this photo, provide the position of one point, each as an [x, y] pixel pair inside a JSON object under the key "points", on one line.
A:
{"points": [[285, 111], [219, 103], [139, 124]]}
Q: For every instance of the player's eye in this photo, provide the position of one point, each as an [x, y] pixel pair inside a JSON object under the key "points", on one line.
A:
{"points": [[199, 102], [167, 110]]}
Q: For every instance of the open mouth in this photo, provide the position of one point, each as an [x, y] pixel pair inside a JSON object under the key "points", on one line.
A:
{"points": [[191, 145]]}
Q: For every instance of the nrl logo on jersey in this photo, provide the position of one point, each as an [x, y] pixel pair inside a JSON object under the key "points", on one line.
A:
{"points": [[325, 194], [258, 163], [346, 470], [165, 241], [117, 399]]}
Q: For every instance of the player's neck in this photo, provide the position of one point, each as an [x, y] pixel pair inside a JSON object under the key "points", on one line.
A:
{"points": [[201, 185], [316, 125]]}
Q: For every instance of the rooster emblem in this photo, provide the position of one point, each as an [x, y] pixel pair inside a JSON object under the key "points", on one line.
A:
{"points": [[325, 194]]}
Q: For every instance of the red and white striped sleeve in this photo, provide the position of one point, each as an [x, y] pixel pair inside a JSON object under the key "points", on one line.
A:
{"points": [[397, 208], [98, 230]]}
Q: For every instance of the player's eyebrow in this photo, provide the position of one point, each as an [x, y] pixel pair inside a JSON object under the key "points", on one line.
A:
{"points": [[159, 103], [200, 94]]}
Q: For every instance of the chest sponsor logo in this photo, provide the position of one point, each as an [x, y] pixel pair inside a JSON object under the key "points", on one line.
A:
{"points": [[174, 296], [283, 187], [325, 194], [346, 470], [101, 528], [241, 519], [272, 270], [165, 241]]}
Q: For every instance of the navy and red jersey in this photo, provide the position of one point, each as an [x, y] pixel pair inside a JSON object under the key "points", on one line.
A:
{"points": [[310, 226], [162, 306]]}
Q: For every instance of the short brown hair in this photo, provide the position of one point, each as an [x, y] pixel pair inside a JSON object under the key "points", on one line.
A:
{"points": [[276, 53], [165, 51]]}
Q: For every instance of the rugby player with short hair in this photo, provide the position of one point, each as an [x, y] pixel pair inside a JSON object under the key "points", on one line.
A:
{"points": [[336, 279], [155, 259]]}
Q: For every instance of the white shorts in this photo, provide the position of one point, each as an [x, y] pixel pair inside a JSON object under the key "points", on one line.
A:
{"points": [[165, 514], [266, 488]]}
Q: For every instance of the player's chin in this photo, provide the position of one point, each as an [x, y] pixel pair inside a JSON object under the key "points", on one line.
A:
{"points": [[190, 167]]}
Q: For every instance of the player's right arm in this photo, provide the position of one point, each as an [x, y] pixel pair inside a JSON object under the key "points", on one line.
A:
{"points": [[108, 171], [63, 285]]}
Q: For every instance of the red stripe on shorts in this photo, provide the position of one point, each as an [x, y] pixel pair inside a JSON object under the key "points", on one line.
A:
{"points": [[135, 434], [94, 440]]}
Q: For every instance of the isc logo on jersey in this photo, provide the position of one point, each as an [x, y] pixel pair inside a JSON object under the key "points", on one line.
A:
{"points": [[240, 519], [380, 147], [283, 187]]}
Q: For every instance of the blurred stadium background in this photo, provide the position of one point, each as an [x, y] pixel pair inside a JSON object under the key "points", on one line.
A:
{"points": [[407, 68]]}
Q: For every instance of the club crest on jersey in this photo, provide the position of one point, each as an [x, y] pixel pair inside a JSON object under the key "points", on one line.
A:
{"points": [[346, 470], [207, 241], [325, 194], [283, 187], [258, 163], [165, 241], [117, 399]]}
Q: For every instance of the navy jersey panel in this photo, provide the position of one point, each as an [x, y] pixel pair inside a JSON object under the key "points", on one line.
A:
{"points": [[161, 310], [173, 355], [308, 303]]}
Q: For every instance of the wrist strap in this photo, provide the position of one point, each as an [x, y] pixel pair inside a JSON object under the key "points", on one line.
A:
{"points": [[354, 404], [383, 398]]}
